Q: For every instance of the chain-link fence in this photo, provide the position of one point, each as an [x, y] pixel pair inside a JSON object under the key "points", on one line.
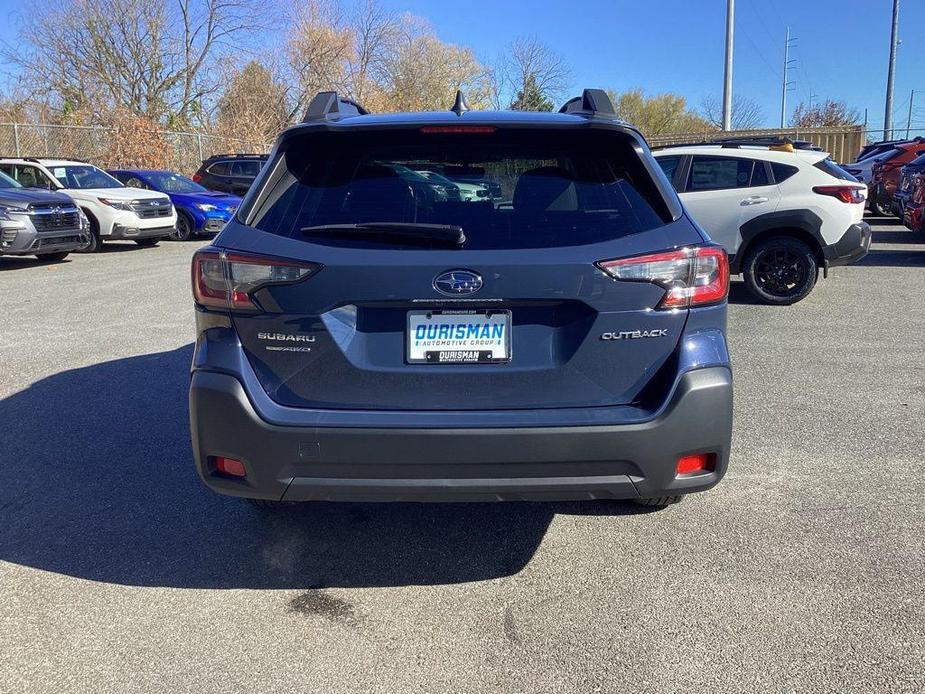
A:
{"points": [[111, 147]]}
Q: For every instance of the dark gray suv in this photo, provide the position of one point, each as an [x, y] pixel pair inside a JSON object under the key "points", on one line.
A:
{"points": [[359, 339], [39, 222]]}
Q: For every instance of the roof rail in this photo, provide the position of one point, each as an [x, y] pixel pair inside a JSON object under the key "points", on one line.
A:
{"points": [[330, 106], [736, 142], [591, 102]]}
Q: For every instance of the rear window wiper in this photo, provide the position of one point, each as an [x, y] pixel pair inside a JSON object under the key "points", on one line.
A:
{"points": [[442, 233]]}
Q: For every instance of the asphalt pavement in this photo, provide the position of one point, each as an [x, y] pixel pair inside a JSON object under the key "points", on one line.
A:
{"points": [[804, 570]]}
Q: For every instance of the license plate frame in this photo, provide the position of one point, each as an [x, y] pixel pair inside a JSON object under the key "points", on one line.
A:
{"points": [[455, 355]]}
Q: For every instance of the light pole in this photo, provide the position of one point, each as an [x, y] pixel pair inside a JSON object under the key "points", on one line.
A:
{"points": [[891, 75], [727, 76]]}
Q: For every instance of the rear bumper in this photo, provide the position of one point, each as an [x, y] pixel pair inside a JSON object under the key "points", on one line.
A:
{"points": [[852, 246], [621, 461]]}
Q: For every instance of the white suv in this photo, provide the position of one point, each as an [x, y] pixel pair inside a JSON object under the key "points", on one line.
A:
{"points": [[114, 211], [780, 213]]}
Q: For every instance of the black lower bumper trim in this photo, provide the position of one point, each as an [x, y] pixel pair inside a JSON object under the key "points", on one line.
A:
{"points": [[625, 460], [851, 247]]}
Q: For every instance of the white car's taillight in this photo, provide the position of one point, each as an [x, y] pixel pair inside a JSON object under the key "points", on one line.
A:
{"points": [[226, 281], [848, 194], [693, 276]]}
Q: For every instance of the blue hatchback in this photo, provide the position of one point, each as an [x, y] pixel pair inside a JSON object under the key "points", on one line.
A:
{"points": [[360, 339], [199, 210]]}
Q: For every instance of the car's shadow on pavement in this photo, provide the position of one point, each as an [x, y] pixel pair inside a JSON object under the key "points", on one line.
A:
{"points": [[97, 482]]}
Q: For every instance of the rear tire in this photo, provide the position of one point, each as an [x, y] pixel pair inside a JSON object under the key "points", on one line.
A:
{"points": [[659, 501], [147, 243], [881, 209], [53, 257], [780, 270]]}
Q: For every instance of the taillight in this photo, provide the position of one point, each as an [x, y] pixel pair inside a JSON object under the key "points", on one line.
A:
{"points": [[226, 281], [693, 276], [849, 194], [197, 177]]}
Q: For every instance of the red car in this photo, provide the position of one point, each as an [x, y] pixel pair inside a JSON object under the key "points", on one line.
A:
{"points": [[885, 175], [914, 212]]}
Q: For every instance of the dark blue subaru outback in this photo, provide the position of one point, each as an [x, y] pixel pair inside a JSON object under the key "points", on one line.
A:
{"points": [[363, 337]]}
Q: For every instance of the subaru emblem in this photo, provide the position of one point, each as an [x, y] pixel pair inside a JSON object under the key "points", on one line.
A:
{"points": [[456, 282]]}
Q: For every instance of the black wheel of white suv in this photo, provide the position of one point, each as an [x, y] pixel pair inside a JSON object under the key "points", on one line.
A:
{"points": [[780, 270]]}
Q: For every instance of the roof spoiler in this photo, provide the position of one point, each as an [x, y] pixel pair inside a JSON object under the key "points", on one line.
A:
{"points": [[592, 102], [330, 106]]}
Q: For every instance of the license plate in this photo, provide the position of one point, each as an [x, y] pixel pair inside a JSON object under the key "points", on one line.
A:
{"points": [[459, 337]]}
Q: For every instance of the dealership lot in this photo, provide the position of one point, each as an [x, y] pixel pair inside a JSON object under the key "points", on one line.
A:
{"points": [[802, 571]]}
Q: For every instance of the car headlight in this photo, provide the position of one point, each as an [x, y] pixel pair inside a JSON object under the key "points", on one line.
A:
{"points": [[117, 204], [7, 213], [206, 207]]}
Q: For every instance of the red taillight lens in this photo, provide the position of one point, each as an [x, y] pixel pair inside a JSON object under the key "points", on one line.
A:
{"points": [[226, 281], [197, 177], [692, 276], [695, 464], [229, 466], [848, 194]]}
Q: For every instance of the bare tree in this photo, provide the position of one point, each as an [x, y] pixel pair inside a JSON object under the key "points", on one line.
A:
{"points": [[659, 114], [318, 51], [253, 107], [532, 67], [150, 58], [827, 114], [421, 72], [384, 60], [746, 113]]}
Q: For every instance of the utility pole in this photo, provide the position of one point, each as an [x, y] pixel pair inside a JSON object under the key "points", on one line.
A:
{"points": [[785, 85], [727, 76], [894, 42], [909, 117]]}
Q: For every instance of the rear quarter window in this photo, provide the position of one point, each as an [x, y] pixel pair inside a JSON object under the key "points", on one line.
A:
{"points": [[517, 188], [834, 170], [782, 171], [219, 168]]}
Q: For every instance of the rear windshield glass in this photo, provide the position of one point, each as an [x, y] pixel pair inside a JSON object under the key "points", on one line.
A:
{"points": [[833, 169], [515, 188]]}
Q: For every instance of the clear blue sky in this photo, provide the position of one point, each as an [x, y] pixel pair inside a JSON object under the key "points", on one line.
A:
{"points": [[842, 46], [677, 45]]}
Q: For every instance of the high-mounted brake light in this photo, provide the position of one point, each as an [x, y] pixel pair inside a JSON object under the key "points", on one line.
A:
{"points": [[693, 276], [847, 194], [457, 129], [227, 281]]}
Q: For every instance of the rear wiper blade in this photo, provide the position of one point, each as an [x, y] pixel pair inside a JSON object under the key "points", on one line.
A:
{"points": [[444, 233]]}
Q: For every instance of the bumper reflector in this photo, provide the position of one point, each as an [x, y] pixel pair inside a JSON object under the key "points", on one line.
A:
{"points": [[693, 464], [229, 466]]}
